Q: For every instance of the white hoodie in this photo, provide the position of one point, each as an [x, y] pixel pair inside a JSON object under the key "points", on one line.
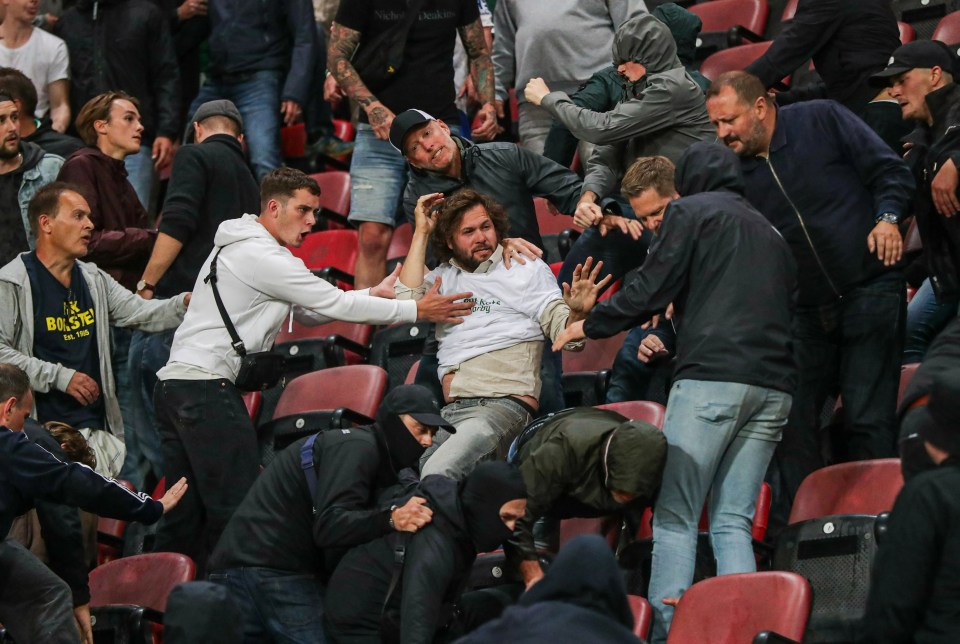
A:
{"points": [[259, 280]]}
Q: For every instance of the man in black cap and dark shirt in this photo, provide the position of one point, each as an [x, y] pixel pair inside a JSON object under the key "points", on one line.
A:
{"points": [[210, 183], [321, 496], [920, 78], [913, 591]]}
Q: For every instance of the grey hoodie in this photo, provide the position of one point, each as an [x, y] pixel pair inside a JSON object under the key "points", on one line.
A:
{"points": [[114, 305], [666, 115]]}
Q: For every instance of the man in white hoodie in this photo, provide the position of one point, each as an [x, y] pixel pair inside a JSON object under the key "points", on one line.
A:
{"points": [[203, 423]]}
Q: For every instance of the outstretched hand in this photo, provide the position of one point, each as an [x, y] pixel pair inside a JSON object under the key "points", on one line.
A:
{"points": [[385, 288], [582, 294], [170, 500], [572, 333], [448, 309]]}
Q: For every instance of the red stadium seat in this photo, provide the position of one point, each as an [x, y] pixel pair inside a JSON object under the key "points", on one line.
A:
{"points": [[293, 141], [761, 518], [642, 615], [400, 242], [412, 374], [320, 343], [330, 249], [343, 130], [907, 372], [334, 196], [907, 33], [722, 15], [948, 29], [789, 10], [550, 223], [735, 608], [606, 527], [734, 59], [252, 401], [651, 412], [860, 487]]}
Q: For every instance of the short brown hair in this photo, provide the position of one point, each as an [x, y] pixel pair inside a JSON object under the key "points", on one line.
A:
{"points": [[17, 86], [451, 214], [98, 109], [747, 86], [14, 382], [46, 201], [73, 443], [646, 173], [281, 183]]}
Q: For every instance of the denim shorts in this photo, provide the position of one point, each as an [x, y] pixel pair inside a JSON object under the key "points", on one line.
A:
{"points": [[378, 176]]}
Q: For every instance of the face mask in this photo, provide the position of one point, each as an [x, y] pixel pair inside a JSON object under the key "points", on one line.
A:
{"points": [[482, 495], [403, 448]]}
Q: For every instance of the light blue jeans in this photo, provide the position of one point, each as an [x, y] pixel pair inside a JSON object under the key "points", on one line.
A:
{"points": [[141, 175], [485, 429], [720, 438]]}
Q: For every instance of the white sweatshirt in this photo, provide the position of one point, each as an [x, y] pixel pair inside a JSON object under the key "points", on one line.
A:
{"points": [[259, 280]]}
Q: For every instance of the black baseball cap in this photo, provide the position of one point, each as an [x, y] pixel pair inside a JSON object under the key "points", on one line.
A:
{"points": [[403, 123], [417, 401], [923, 54]]}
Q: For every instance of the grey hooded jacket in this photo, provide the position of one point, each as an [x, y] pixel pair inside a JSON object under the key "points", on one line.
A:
{"points": [[666, 114], [115, 306]]}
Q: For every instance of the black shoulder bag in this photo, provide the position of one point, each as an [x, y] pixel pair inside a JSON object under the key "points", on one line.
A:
{"points": [[258, 371], [378, 60]]}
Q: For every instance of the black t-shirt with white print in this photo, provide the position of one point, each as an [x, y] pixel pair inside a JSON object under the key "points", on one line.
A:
{"points": [[65, 332]]}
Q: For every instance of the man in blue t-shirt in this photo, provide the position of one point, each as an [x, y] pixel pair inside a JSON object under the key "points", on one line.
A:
{"points": [[57, 323]]}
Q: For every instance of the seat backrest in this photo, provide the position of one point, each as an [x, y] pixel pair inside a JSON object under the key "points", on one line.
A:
{"points": [[860, 487], [720, 15], [598, 354], [732, 59], [642, 615], [143, 580], [607, 527], [293, 141], [291, 334], [948, 29], [400, 242], [758, 530], [789, 10], [343, 130], [334, 191], [734, 608], [252, 401], [356, 387], [907, 33], [412, 373], [907, 372], [647, 410], [395, 348], [549, 223], [337, 248]]}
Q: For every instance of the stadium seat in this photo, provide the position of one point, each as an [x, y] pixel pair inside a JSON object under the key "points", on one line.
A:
{"points": [[907, 33], [399, 243], [548, 222], [948, 29], [332, 254], [651, 412], [252, 400], [329, 399], [734, 59], [586, 374], [128, 596], [334, 198], [343, 130], [789, 11], [412, 373], [907, 372], [293, 141], [736, 608], [859, 487], [311, 348], [726, 23], [761, 516], [642, 615], [396, 348], [607, 527]]}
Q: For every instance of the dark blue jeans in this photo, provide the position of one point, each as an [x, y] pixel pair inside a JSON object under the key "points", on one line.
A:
{"points": [[926, 317], [855, 344], [620, 253], [631, 378], [207, 436], [149, 352], [276, 605]]}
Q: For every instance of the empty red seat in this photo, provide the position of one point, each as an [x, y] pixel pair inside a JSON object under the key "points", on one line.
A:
{"points": [[649, 411], [734, 59], [548, 222], [335, 192], [642, 615], [860, 487], [343, 130], [948, 29], [789, 10], [356, 387], [297, 340], [293, 141], [596, 355], [400, 242], [333, 249], [721, 15], [907, 33]]}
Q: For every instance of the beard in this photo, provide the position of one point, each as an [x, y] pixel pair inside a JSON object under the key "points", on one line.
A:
{"points": [[753, 144], [467, 260], [10, 150]]}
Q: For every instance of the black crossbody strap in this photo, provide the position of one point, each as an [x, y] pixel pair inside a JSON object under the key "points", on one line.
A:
{"points": [[211, 279], [399, 557]]}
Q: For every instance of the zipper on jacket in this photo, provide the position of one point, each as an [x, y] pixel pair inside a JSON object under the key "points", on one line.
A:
{"points": [[806, 233]]}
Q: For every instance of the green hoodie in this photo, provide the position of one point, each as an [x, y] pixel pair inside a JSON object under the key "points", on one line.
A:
{"points": [[577, 458]]}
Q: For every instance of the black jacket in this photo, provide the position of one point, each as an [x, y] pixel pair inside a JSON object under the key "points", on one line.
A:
{"points": [[28, 473], [827, 179], [436, 561], [210, 183], [848, 42], [932, 146], [54, 142], [60, 526], [914, 592], [728, 273], [581, 599], [510, 174], [124, 45], [352, 468], [257, 35]]}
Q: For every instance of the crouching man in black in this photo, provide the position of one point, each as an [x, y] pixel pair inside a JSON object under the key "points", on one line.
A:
{"points": [[421, 574], [316, 500]]}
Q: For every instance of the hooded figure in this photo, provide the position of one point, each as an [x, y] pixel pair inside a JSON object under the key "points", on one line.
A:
{"points": [[574, 463], [663, 113], [298, 538], [581, 599], [468, 517]]}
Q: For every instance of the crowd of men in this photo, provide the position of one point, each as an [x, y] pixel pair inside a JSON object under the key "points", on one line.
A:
{"points": [[761, 241]]}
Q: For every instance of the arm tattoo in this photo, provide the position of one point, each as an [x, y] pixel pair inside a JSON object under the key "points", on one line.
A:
{"points": [[481, 65], [343, 42]]}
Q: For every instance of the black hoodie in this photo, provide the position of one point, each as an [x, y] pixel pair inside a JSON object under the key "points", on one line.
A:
{"points": [[729, 274], [581, 599]]}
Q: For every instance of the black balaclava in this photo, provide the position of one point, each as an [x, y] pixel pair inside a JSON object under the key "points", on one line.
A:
{"points": [[403, 448], [482, 495]]}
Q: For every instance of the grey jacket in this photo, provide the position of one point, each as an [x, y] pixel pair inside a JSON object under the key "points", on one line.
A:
{"points": [[115, 306], [666, 114], [40, 174], [510, 174]]}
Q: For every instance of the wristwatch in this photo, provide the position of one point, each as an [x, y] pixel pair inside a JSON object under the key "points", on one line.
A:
{"points": [[390, 517], [889, 218], [144, 285]]}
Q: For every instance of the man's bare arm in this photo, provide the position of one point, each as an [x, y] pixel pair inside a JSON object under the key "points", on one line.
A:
{"points": [[165, 250], [481, 69], [343, 42]]}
